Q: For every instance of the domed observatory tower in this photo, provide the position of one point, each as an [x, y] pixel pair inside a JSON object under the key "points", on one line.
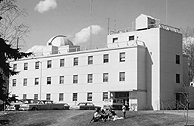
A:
{"points": [[60, 44]]}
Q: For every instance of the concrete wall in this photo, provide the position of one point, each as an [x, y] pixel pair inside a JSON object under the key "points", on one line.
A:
{"points": [[170, 46], [97, 87]]}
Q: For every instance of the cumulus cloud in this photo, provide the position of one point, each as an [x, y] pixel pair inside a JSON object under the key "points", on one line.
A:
{"points": [[36, 49], [84, 34], [45, 5]]}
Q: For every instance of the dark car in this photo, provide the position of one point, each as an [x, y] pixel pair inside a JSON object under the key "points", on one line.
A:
{"points": [[44, 105], [86, 106]]}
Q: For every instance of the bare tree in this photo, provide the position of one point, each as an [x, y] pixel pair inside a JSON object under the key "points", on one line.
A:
{"points": [[11, 27], [188, 49]]}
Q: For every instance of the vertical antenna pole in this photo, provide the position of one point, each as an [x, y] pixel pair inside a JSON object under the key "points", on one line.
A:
{"points": [[17, 42], [166, 12], [91, 24], [108, 26], [115, 24]]}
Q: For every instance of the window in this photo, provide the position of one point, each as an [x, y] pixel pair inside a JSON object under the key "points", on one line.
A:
{"points": [[25, 66], [24, 96], [89, 96], [35, 96], [36, 81], [74, 96], [90, 78], [14, 66], [122, 57], [75, 79], [90, 59], [62, 62], [48, 80], [105, 77], [122, 76], [131, 38], [114, 40], [48, 96], [37, 65], [49, 64], [14, 82], [177, 78], [61, 80], [25, 82], [177, 59], [105, 58], [105, 95], [60, 96], [75, 61]]}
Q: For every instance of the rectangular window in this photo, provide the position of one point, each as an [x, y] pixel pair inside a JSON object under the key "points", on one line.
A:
{"points": [[48, 80], [105, 95], [25, 82], [121, 76], [49, 64], [89, 96], [74, 96], [14, 66], [60, 96], [62, 62], [131, 38], [35, 96], [122, 57], [37, 65], [75, 79], [24, 96], [25, 66], [115, 40], [177, 78], [36, 81], [75, 61], [177, 59], [90, 59], [48, 96], [105, 77], [61, 80], [14, 82], [90, 76], [105, 58]]}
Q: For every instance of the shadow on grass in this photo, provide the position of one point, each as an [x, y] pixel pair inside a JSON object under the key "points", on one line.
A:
{"points": [[4, 122]]}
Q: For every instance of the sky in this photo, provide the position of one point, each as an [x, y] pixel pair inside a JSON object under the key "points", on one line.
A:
{"points": [[72, 18]]}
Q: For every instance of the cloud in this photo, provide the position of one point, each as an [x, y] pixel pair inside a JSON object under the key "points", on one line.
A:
{"points": [[45, 5], [36, 49], [84, 34]]}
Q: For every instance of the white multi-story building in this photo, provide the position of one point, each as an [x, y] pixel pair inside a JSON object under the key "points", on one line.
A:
{"points": [[142, 66]]}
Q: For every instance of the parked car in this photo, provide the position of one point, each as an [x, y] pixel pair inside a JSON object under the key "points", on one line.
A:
{"points": [[86, 106], [44, 105], [14, 105]]}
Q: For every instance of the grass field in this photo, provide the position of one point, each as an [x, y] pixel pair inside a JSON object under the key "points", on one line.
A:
{"points": [[82, 118]]}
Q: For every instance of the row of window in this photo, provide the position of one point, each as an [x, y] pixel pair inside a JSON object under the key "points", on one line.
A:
{"points": [[116, 39], [75, 61], [74, 96], [75, 79]]}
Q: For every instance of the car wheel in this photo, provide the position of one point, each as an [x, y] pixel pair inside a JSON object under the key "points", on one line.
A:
{"points": [[34, 108]]}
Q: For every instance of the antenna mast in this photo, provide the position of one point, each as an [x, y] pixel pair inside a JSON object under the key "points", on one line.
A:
{"points": [[91, 23], [108, 26]]}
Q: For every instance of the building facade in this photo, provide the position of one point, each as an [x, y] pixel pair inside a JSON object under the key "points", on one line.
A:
{"points": [[142, 67]]}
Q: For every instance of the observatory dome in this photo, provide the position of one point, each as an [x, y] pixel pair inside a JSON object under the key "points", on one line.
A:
{"points": [[59, 40]]}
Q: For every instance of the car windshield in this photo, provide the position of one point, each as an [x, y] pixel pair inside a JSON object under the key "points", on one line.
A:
{"points": [[81, 104], [90, 104]]}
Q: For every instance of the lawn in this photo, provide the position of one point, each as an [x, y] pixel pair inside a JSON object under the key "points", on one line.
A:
{"points": [[82, 118]]}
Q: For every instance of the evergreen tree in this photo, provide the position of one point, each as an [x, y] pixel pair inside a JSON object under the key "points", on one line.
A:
{"points": [[7, 53]]}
